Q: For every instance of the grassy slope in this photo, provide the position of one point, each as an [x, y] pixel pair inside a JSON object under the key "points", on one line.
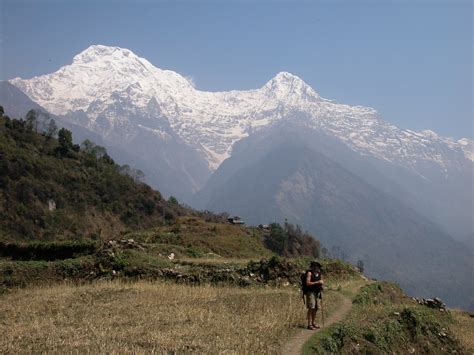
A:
{"points": [[192, 236], [158, 316], [463, 329], [199, 247], [384, 320], [168, 317]]}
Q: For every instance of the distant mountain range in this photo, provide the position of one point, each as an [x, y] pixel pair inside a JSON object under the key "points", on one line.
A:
{"points": [[385, 195]]}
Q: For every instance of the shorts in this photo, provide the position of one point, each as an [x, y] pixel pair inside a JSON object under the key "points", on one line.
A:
{"points": [[312, 300]]}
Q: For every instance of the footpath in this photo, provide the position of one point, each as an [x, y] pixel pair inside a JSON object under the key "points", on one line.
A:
{"points": [[294, 346]]}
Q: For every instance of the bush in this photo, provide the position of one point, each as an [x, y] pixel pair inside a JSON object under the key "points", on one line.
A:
{"points": [[335, 341], [379, 293], [291, 241], [47, 251], [193, 252]]}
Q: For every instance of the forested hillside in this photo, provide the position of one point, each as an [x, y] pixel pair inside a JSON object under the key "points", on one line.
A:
{"points": [[51, 188]]}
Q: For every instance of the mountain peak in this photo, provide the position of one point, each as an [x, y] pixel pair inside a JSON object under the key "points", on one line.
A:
{"points": [[286, 76], [287, 84], [99, 51]]}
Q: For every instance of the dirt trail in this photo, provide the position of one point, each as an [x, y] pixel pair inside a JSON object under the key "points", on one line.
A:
{"points": [[295, 345]]}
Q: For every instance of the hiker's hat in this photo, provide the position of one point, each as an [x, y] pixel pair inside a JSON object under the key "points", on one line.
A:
{"points": [[315, 263]]}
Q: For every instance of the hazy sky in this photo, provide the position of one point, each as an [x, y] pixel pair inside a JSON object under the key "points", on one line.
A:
{"points": [[411, 60]]}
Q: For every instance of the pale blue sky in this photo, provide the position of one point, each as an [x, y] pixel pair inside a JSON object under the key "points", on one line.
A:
{"points": [[411, 60]]}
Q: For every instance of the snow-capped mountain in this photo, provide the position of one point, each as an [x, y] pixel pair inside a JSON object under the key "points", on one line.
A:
{"points": [[166, 125], [102, 77]]}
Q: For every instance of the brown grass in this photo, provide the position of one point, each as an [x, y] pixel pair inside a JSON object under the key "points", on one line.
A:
{"points": [[376, 324], [463, 328], [148, 317], [218, 239]]}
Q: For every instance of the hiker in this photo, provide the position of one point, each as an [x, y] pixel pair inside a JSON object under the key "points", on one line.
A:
{"points": [[312, 288]]}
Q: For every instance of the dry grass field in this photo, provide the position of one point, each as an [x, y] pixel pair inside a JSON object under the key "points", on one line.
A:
{"points": [[148, 317], [463, 327]]}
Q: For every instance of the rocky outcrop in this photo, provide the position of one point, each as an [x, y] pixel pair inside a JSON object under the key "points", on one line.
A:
{"points": [[435, 303]]}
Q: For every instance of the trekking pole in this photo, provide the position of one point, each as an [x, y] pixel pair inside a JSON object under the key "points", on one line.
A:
{"points": [[322, 309]]}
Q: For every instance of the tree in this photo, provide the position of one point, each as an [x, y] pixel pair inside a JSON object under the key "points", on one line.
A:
{"points": [[360, 266], [138, 175], [51, 129], [277, 240], [32, 120], [65, 138], [65, 142], [172, 200], [87, 146], [291, 241], [124, 169], [100, 153]]}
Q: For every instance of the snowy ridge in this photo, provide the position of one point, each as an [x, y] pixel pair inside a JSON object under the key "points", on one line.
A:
{"points": [[115, 83]]}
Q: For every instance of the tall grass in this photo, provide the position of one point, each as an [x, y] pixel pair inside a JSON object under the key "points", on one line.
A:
{"points": [[148, 317]]}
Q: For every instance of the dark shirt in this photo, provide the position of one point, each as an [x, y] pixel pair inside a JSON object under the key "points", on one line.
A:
{"points": [[315, 276]]}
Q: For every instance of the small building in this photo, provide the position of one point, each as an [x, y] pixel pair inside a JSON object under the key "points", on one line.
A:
{"points": [[235, 220]]}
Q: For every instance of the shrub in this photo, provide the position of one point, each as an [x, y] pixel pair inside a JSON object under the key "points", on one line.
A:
{"points": [[47, 251], [194, 252], [291, 241], [379, 293]]}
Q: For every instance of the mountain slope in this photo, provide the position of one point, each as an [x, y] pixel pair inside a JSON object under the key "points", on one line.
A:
{"points": [[291, 181], [50, 190], [15, 102], [142, 140]]}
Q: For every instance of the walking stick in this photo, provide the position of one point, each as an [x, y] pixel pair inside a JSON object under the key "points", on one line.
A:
{"points": [[322, 309]]}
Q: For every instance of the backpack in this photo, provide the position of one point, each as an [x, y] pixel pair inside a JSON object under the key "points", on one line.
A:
{"points": [[304, 288]]}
